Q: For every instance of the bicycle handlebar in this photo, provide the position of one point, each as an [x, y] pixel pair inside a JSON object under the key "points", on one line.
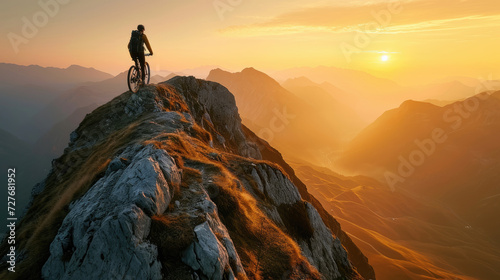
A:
{"points": [[148, 54]]}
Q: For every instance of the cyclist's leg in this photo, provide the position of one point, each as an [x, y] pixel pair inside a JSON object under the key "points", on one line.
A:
{"points": [[135, 58], [142, 61]]}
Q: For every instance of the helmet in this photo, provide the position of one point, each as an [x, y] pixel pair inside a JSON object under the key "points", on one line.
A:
{"points": [[140, 27]]}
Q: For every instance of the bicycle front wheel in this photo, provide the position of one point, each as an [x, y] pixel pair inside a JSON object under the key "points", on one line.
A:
{"points": [[133, 79], [147, 76]]}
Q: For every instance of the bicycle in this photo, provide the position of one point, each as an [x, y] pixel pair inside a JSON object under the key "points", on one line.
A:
{"points": [[134, 78]]}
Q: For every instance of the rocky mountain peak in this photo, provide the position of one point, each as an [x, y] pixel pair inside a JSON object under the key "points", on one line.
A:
{"points": [[167, 184]]}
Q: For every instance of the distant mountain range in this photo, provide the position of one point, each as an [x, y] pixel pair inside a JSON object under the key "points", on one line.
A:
{"points": [[13, 74], [27, 89], [370, 96], [309, 118]]}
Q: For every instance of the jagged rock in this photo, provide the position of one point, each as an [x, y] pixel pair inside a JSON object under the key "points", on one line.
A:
{"points": [[104, 234], [322, 249], [219, 104], [207, 254], [276, 186]]}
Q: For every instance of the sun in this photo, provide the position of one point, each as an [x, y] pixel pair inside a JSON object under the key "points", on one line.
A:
{"points": [[384, 58]]}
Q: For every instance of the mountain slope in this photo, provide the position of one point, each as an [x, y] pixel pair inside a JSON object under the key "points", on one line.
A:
{"points": [[451, 154], [356, 257], [165, 184], [404, 236]]}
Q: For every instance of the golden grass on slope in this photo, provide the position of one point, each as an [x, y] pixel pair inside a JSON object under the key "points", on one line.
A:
{"points": [[174, 100], [405, 238], [394, 259], [266, 251], [172, 234]]}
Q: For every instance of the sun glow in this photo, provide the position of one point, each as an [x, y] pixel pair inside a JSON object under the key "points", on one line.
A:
{"points": [[384, 58]]}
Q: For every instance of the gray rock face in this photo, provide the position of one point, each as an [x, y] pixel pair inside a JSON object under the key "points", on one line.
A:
{"points": [[207, 254], [220, 107], [107, 232], [212, 255], [104, 234], [321, 248], [275, 185]]}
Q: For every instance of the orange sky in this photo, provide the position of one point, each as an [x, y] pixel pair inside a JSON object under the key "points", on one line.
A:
{"points": [[423, 39]]}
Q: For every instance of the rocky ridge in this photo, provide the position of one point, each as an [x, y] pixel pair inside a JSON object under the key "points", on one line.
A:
{"points": [[166, 184]]}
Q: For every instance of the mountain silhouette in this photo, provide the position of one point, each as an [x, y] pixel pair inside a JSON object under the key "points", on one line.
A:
{"points": [[13, 74], [350, 81], [370, 96], [28, 89], [167, 184]]}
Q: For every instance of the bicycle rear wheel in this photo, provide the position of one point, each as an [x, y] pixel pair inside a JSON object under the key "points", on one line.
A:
{"points": [[133, 79], [147, 77]]}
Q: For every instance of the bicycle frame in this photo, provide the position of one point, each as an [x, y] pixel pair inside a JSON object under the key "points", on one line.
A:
{"points": [[134, 77]]}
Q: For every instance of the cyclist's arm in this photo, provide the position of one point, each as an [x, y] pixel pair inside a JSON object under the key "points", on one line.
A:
{"points": [[146, 41]]}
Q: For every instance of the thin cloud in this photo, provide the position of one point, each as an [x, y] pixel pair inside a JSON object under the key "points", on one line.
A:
{"points": [[469, 22], [415, 16]]}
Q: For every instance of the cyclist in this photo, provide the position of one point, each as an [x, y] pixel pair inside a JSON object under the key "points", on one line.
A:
{"points": [[136, 48]]}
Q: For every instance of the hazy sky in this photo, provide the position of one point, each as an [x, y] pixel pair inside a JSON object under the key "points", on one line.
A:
{"points": [[420, 38]]}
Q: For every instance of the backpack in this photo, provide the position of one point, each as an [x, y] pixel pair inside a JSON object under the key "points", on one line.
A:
{"points": [[136, 43]]}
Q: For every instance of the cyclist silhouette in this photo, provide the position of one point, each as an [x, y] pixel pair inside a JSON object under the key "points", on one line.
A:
{"points": [[136, 47]]}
